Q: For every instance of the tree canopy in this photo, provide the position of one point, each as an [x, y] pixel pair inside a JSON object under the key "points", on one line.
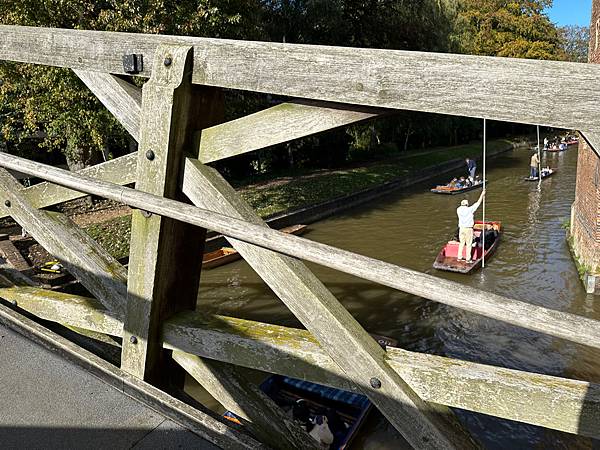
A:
{"points": [[54, 105], [517, 29]]}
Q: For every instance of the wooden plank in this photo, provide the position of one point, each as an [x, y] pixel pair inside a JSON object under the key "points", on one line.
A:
{"points": [[559, 324], [199, 421], [164, 253], [72, 310], [99, 272], [514, 90], [121, 98], [266, 419], [278, 124], [119, 171], [348, 344], [558, 403]]}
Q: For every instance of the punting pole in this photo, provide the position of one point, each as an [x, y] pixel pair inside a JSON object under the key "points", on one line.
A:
{"points": [[539, 160], [484, 181]]}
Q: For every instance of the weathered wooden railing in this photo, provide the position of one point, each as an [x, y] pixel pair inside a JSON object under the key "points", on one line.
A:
{"points": [[152, 305]]}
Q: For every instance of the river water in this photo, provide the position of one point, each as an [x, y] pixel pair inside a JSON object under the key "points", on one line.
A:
{"points": [[408, 228]]}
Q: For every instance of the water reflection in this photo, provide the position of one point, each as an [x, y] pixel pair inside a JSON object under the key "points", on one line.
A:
{"points": [[408, 228]]}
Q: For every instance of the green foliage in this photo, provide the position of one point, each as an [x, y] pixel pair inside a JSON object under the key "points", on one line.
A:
{"points": [[517, 29], [53, 103]]}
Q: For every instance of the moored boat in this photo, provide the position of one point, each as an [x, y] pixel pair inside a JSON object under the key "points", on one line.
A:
{"points": [[346, 411], [447, 258], [225, 255], [452, 190], [545, 174]]}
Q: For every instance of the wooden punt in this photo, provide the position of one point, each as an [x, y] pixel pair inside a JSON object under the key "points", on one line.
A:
{"points": [[544, 176], [225, 255], [453, 191], [447, 258], [346, 411], [556, 149]]}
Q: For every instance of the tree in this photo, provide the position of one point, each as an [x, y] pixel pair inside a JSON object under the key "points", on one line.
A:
{"points": [[54, 104], [517, 29], [575, 42]]}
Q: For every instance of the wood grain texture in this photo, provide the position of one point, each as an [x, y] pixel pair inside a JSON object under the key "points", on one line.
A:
{"points": [[97, 270], [119, 171], [164, 253], [515, 90], [121, 98], [562, 404], [278, 124], [265, 419], [71, 310], [348, 344], [560, 324]]}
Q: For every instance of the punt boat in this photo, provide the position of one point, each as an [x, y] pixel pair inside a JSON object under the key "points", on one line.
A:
{"points": [[544, 175], [447, 190], [225, 255], [447, 258], [346, 411]]}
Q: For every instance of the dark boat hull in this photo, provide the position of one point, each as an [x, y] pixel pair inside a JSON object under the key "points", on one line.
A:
{"points": [[543, 176], [451, 264]]}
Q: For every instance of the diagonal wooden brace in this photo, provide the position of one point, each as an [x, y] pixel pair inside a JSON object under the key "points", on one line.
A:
{"points": [[97, 270], [342, 337]]}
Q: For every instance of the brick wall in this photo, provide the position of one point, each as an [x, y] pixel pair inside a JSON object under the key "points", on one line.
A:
{"points": [[585, 214]]}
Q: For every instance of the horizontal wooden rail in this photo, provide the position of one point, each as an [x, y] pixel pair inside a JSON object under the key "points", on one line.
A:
{"points": [[554, 323], [515, 90], [558, 403]]}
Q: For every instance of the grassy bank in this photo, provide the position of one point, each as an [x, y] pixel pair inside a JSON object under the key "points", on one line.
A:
{"points": [[283, 194]]}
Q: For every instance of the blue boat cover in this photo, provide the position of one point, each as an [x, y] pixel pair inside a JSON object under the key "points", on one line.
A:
{"points": [[349, 398]]}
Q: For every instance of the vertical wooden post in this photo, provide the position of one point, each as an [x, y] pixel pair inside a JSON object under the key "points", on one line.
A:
{"points": [[165, 255]]}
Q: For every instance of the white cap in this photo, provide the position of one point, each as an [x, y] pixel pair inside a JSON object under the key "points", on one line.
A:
{"points": [[465, 202]]}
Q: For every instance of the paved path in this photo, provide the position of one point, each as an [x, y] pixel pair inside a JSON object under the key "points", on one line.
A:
{"points": [[49, 403]]}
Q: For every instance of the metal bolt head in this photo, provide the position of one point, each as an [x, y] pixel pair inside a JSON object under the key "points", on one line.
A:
{"points": [[375, 383], [133, 340], [168, 61], [7, 203], [14, 303], [146, 214], [149, 155]]}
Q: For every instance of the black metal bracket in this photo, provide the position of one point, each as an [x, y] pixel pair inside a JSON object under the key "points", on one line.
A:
{"points": [[133, 63]]}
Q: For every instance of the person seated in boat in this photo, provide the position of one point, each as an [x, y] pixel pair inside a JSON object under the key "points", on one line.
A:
{"points": [[533, 166], [490, 237], [337, 426], [301, 413], [471, 168], [452, 183], [465, 223], [321, 432], [546, 171], [562, 146], [461, 183]]}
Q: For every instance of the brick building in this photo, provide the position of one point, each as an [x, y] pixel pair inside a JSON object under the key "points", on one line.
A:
{"points": [[585, 213]]}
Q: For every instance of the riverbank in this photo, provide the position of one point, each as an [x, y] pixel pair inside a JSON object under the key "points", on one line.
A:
{"points": [[310, 197]]}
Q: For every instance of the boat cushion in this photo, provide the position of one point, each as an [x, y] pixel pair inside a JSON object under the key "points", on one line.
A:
{"points": [[452, 249], [349, 398]]}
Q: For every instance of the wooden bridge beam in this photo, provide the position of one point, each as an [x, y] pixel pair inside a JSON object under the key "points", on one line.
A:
{"points": [[165, 254], [562, 404], [506, 89], [120, 97]]}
